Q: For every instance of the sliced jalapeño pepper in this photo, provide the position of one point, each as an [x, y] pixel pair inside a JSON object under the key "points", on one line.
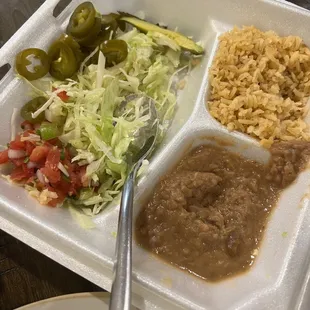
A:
{"points": [[49, 131], [115, 51], [32, 63], [74, 45], [101, 37], [91, 35], [32, 106], [109, 22], [82, 20], [63, 61]]}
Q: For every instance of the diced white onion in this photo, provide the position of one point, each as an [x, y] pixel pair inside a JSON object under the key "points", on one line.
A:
{"points": [[15, 154], [63, 169], [48, 115], [40, 176], [31, 165], [31, 137]]}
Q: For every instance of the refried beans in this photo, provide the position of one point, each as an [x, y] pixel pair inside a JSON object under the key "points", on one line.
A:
{"points": [[209, 214]]}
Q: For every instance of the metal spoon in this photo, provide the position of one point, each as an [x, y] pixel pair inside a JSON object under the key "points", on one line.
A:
{"points": [[145, 139]]}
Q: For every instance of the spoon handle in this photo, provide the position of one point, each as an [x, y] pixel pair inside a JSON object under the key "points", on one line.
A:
{"points": [[121, 287]]}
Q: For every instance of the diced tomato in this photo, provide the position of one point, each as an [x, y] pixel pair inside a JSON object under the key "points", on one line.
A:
{"points": [[30, 146], [62, 95], [18, 174], [21, 173], [4, 157], [55, 142], [50, 170], [63, 186], [53, 158], [61, 197], [40, 186], [52, 175], [56, 201], [36, 126], [75, 173], [75, 185], [27, 133], [26, 125], [17, 144], [27, 146], [39, 153], [30, 172], [30, 180], [18, 162]]}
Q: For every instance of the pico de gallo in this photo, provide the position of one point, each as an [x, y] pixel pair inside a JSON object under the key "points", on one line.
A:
{"points": [[44, 164]]}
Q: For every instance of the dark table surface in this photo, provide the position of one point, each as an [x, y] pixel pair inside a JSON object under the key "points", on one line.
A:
{"points": [[26, 275], [303, 3]]}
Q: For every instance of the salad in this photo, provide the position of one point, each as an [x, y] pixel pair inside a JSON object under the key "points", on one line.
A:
{"points": [[75, 142]]}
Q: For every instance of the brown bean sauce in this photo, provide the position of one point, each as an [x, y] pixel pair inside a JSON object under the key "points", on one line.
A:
{"points": [[208, 215]]}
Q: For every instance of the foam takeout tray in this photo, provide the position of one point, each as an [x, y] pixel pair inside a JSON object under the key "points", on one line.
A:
{"points": [[280, 277]]}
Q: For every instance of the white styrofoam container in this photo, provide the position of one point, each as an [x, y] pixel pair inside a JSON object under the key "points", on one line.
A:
{"points": [[280, 277]]}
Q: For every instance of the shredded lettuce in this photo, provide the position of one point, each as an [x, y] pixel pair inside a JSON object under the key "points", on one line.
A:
{"points": [[97, 125], [83, 220]]}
